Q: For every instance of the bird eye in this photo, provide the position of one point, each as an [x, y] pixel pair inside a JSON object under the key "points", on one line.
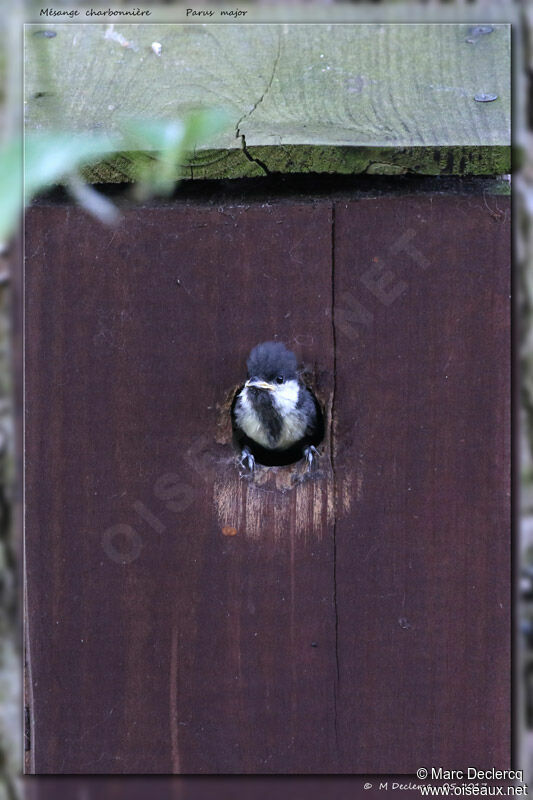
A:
{"points": [[279, 379]]}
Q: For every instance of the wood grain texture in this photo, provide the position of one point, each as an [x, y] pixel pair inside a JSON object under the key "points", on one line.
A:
{"points": [[426, 444], [356, 622], [203, 642], [342, 99]]}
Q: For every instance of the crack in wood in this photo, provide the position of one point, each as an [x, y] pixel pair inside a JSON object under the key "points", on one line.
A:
{"points": [[249, 113]]}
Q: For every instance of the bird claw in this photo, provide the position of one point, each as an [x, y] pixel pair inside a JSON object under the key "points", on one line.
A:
{"points": [[311, 455], [247, 461]]}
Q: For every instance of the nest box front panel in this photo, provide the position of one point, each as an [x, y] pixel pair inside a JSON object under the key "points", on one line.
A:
{"points": [[185, 618]]}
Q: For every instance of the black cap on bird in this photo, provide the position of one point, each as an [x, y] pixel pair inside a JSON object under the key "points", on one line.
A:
{"points": [[276, 417]]}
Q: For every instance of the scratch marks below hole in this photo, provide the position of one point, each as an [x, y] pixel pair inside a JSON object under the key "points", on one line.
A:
{"points": [[266, 508]]}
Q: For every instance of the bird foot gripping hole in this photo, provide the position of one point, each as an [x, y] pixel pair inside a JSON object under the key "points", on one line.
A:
{"points": [[247, 463], [311, 456], [280, 477], [309, 468]]}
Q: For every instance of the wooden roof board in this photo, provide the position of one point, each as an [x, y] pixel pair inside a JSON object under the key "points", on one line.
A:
{"points": [[326, 98]]}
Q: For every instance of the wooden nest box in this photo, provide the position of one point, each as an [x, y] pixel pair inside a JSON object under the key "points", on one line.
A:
{"points": [[181, 618]]}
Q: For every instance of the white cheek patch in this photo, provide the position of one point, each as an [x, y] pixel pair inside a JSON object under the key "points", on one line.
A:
{"points": [[294, 422], [286, 397]]}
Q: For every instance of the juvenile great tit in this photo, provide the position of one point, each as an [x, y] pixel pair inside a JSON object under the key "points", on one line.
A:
{"points": [[276, 418]]}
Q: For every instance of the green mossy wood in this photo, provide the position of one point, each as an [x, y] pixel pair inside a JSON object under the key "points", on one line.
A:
{"points": [[342, 99]]}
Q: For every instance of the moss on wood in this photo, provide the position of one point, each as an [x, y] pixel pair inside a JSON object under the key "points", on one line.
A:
{"points": [[371, 98]]}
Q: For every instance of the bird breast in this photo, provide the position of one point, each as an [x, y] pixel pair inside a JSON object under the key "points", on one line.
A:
{"points": [[254, 420]]}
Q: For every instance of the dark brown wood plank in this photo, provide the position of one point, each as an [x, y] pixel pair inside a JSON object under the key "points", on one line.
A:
{"points": [[422, 438], [196, 654]]}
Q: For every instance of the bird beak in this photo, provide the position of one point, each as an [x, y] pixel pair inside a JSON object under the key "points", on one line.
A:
{"points": [[260, 385]]}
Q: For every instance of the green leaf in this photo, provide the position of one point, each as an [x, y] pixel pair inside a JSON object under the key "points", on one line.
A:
{"points": [[47, 158], [170, 140], [203, 125], [164, 134], [160, 135], [11, 191], [50, 156]]}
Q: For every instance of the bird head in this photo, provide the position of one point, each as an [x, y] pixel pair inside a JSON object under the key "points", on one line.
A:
{"points": [[272, 368]]}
